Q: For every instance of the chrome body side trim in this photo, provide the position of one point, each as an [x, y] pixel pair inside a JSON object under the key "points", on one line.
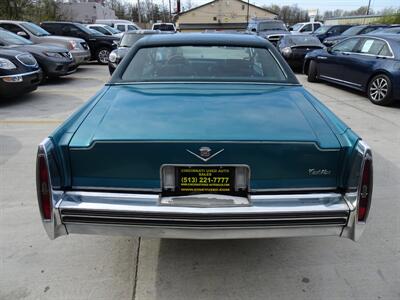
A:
{"points": [[340, 80]]}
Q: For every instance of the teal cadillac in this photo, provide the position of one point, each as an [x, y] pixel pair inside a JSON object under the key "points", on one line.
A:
{"points": [[204, 136]]}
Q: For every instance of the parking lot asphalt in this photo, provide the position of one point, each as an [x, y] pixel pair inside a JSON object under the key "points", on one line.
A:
{"points": [[101, 267]]}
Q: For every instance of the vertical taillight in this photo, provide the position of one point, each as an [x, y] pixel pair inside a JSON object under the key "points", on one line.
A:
{"points": [[365, 190], [43, 185]]}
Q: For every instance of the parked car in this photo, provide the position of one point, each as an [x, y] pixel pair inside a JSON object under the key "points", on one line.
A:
{"points": [[305, 27], [127, 41], [204, 136], [37, 35], [294, 48], [369, 63], [387, 30], [330, 30], [121, 25], [268, 29], [106, 30], [53, 60], [100, 45], [168, 27], [19, 73], [352, 31]]}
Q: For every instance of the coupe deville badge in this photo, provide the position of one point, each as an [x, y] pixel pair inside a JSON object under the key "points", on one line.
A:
{"points": [[205, 153]]}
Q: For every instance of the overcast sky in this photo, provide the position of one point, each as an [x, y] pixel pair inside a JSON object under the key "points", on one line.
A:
{"points": [[322, 5]]}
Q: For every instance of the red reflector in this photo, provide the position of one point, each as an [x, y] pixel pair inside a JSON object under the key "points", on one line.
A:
{"points": [[365, 191], [43, 186]]}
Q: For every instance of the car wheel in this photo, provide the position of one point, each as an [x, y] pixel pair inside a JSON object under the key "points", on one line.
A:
{"points": [[380, 90], [312, 72], [43, 79], [102, 55]]}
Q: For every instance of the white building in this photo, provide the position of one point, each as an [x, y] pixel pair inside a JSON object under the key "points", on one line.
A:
{"points": [[87, 12]]}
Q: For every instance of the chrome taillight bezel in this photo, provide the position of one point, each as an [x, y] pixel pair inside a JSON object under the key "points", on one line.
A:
{"points": [[366, 159], [51, 224], [41, 184], [362, 153]]}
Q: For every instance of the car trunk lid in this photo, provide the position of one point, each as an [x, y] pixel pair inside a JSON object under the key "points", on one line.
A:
{"points": [[135, 129]]}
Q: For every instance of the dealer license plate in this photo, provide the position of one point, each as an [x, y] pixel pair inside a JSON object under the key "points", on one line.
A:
{"points": [[209, 180]]}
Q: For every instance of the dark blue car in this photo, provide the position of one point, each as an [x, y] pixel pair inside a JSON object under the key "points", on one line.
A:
{"points": [[330, 31], [352, 31], [369, 63]]}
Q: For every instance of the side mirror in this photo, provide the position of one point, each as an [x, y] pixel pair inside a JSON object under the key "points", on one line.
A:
{"points": [[254, 30], [23, 34], [290, 28], [329, 49]]}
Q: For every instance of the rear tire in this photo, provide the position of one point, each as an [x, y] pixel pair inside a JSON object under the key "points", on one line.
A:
{"points": [[380, 90], [102, 55], [312, 72]]}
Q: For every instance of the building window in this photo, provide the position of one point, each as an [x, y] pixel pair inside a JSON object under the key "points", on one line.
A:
{"points": [[215, 18], [242, 6]]}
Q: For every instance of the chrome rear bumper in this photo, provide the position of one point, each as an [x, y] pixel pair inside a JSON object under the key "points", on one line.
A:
{"points": [[323, 214]]}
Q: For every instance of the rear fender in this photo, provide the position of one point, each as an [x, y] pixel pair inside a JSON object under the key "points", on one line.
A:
{"points": [[359, 156]]}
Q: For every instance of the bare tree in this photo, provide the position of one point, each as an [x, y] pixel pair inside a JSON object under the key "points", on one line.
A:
{"points": [[188, 4]]}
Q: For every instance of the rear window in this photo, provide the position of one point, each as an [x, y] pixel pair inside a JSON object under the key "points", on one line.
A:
{"points": [[164, 27], [303, 40], [203, 63], [130, 38], [274, 25]]}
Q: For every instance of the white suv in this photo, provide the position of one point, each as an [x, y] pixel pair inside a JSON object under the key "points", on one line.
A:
{"points": [[121, 25], [305, 28]]}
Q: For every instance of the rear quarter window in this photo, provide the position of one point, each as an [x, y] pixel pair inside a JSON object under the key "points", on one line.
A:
{"points": [[374, 47]]}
